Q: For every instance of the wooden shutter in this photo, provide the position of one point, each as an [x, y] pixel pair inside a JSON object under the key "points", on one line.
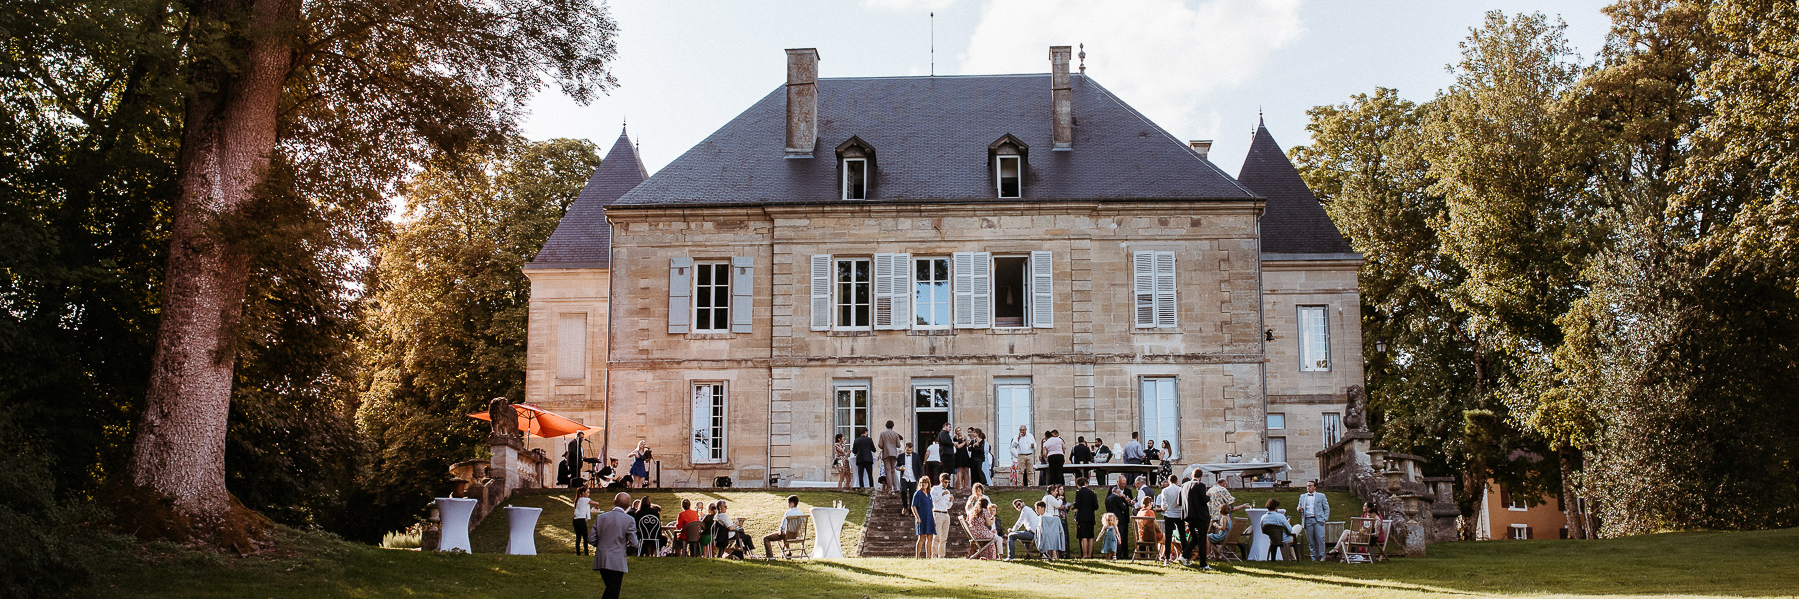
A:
{"points": [[821, 292], [902, 291], [981, 289], [1143, 287], [883, 292], [962, 288], [702, 424], [1165, 304], [1043, 297], [743, 287], [571, 346], [680, 294]]}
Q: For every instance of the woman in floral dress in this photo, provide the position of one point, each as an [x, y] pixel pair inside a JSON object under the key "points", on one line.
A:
{"points": [[841, 463], [980, 527]]}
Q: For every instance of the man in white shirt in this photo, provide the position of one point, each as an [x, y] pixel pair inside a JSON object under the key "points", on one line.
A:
{"points": [[1314, 511], [1172, 502], [1133, 454], [1023, 449], [1029, 522], [941, 498], [788, 527]]}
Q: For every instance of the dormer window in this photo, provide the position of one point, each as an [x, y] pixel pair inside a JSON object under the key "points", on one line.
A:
{"points": [[1007, 157], [855, 168]]}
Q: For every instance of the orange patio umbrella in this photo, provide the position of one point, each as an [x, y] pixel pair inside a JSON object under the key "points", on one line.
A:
{"points": [[538, 422]]}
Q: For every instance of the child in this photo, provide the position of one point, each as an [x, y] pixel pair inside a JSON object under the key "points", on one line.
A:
{"points": [[1108, 536]]}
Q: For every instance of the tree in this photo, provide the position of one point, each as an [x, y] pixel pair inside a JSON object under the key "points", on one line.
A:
{"points": [[448, 317]]}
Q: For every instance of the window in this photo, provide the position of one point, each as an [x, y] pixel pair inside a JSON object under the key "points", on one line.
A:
{"points": [[1009, 174], [1518, 532], [1153, 286], [854, 296], [708, 423], [1514, 501], [1277, 449], [1012, 403], [712, 297], [933, 395], [571, 346], [855, 179], [1333, 428], [1277, 421], [1011, 293], [1314, 339], [852, 409], [931, 295], [1161, 411]]}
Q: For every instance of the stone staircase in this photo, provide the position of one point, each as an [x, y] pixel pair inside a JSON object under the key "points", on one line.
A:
{"points": [[891, 534]]}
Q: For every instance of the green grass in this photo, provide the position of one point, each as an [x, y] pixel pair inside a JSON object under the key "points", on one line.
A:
{"points": [[555, 533]]}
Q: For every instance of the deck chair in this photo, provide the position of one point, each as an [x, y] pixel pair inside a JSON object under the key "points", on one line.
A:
{"points": [[1359, 545], [975, 545], [1380, 551], [1227, 551], [649, 529], [794, 538], [690, 538]]}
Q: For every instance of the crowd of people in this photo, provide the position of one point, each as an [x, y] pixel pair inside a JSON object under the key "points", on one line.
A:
{"points": [[602, 473], [892, 463]]}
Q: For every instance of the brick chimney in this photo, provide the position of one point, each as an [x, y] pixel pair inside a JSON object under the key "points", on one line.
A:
{"points": [[1062, 130], [802, 101], [1202, 147]]}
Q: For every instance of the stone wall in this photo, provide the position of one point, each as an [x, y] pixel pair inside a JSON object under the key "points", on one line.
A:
{"points": [[555, 292], [1304, 397]]}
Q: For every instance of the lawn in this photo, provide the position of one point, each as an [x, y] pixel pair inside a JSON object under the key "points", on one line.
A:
{"points": [[1343, 504], [763, 509], [1721, 564]]}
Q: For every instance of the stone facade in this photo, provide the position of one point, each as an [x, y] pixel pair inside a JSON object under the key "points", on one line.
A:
{"points": [[1305, 397], [557, 294]]}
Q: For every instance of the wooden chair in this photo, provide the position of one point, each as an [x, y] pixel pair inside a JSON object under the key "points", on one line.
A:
{"points": [[1227, 551], [1380, 550], [649, 529], [1359, 544], [793, 532], [1146, 544], [975, 544], [690, 538]]}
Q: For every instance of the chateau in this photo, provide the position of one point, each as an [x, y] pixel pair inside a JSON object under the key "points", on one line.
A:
{"points": [[988, 251]]}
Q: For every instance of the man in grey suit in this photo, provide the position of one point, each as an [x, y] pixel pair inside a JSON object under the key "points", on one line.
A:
{"points": [[1315, 510], [890, 451], [609, 534]]}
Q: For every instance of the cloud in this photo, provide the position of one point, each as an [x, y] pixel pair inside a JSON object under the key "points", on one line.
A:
{"points": [[1164, 57], [907, 5]]}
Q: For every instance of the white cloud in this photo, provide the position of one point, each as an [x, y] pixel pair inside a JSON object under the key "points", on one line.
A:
{"points": [[1164, 57], [907, 5]]}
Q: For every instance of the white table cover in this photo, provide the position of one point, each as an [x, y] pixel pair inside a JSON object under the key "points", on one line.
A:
{"points": [[522, 521], [827, 525], [1258, 544], [453, 516]]}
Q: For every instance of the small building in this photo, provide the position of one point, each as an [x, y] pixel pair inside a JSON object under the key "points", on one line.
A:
{"points": [[1507, 515]]}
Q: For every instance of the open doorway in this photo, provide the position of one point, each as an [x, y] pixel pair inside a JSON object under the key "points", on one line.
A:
{"points": [[930, 405]]}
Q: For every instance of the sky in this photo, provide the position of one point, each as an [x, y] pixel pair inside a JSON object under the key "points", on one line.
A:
{"points": [[1201, 69]]}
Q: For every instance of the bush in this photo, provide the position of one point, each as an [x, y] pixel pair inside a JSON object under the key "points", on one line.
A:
{"points": [[52, 545]]}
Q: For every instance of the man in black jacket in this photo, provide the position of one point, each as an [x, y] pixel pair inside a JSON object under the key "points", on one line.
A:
{"points": [[946, 451], [1085, 504], [1118, 504], [864, 448], [1198, 517]]}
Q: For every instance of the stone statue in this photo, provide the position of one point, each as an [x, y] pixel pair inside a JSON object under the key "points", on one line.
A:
{"points": [[1355, 410], [505, 421]]}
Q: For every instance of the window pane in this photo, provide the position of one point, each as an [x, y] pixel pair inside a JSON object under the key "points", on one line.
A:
{"points": [[1277, 421]]}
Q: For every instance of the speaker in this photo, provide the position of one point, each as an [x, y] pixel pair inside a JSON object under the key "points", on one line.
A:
{"points": [[723, 482]]}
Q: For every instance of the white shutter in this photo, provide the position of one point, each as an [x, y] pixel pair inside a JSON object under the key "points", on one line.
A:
{"points": [[883, 292], [743, 287], [981, 290], [1143, 287], [1043, 297], [702, 424], [821, 292], [962, 287], [902, 291], [1165, 289], [571, 345], [680, 293]]}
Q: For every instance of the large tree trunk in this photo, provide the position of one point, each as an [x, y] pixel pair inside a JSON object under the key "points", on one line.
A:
{"points": [[1576, 519], [227, 138]]}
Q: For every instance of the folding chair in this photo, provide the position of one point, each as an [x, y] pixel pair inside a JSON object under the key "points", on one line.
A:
{"points": [[975, 545], [1359, 545], [793, 532], [649, 528], [1380, 552], [1227, 550]]}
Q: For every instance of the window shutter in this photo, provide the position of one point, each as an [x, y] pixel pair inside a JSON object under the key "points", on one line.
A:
{"points": [[680, 293], [962, 287], [743, 286], [702, 424], [571, 350], [981, 286], [902, 291], [1043, 298], [1144, 287], [821, 292], [883, 292], [1165, 289]]}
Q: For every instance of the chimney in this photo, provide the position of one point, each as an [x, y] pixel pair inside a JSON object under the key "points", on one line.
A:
{"points": [[1200, 146], [1062, 129], [802, 101]]}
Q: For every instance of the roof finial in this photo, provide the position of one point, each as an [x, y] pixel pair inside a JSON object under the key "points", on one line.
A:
{"points": [[933, 43], [1083, 58]]}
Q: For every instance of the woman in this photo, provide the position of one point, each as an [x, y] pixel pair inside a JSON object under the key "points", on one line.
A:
{"points": [[963, 461], [841, 461], [583, 509], [980, 528], [1052, 455], [974, 500], [922, 520], [977, 453], [706, 529], [933, 460], [1052, 536], [1350, 532], [640, 469], [688, 516], [1220, 530], [1147, 530]]}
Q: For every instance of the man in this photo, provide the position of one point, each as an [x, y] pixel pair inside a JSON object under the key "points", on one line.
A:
{"points": [[1023, 449], [1173, 505], [1085, 504], [941, 498], [609, 535], [1283, 538], [787, 527], [1198, 520], [1133, 454], [890, 450], [946, 456], [1080, 453], [607, 475], [1029, 522], [864, 448], [1118, 503], [905, 462], [1314, 511]]}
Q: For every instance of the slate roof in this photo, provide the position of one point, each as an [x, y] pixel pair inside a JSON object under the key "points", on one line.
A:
{"points": [[583, 239], [1293, 221], [931, 137]]}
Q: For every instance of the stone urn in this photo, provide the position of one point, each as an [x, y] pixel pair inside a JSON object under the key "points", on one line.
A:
{"points": [[1377, 459], [1394, 479]]}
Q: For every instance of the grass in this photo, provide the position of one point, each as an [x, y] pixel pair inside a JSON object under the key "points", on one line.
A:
{"points": [[1343, 504], [763, 509]]}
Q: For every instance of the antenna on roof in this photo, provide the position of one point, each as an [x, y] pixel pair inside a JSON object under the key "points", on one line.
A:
{"points": [[1083, 58], [933, 43]]}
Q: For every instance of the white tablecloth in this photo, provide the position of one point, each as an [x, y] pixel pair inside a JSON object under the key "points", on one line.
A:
{"points": [[1258, 544], [453, 515], [827, 526], [522, 521]]}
